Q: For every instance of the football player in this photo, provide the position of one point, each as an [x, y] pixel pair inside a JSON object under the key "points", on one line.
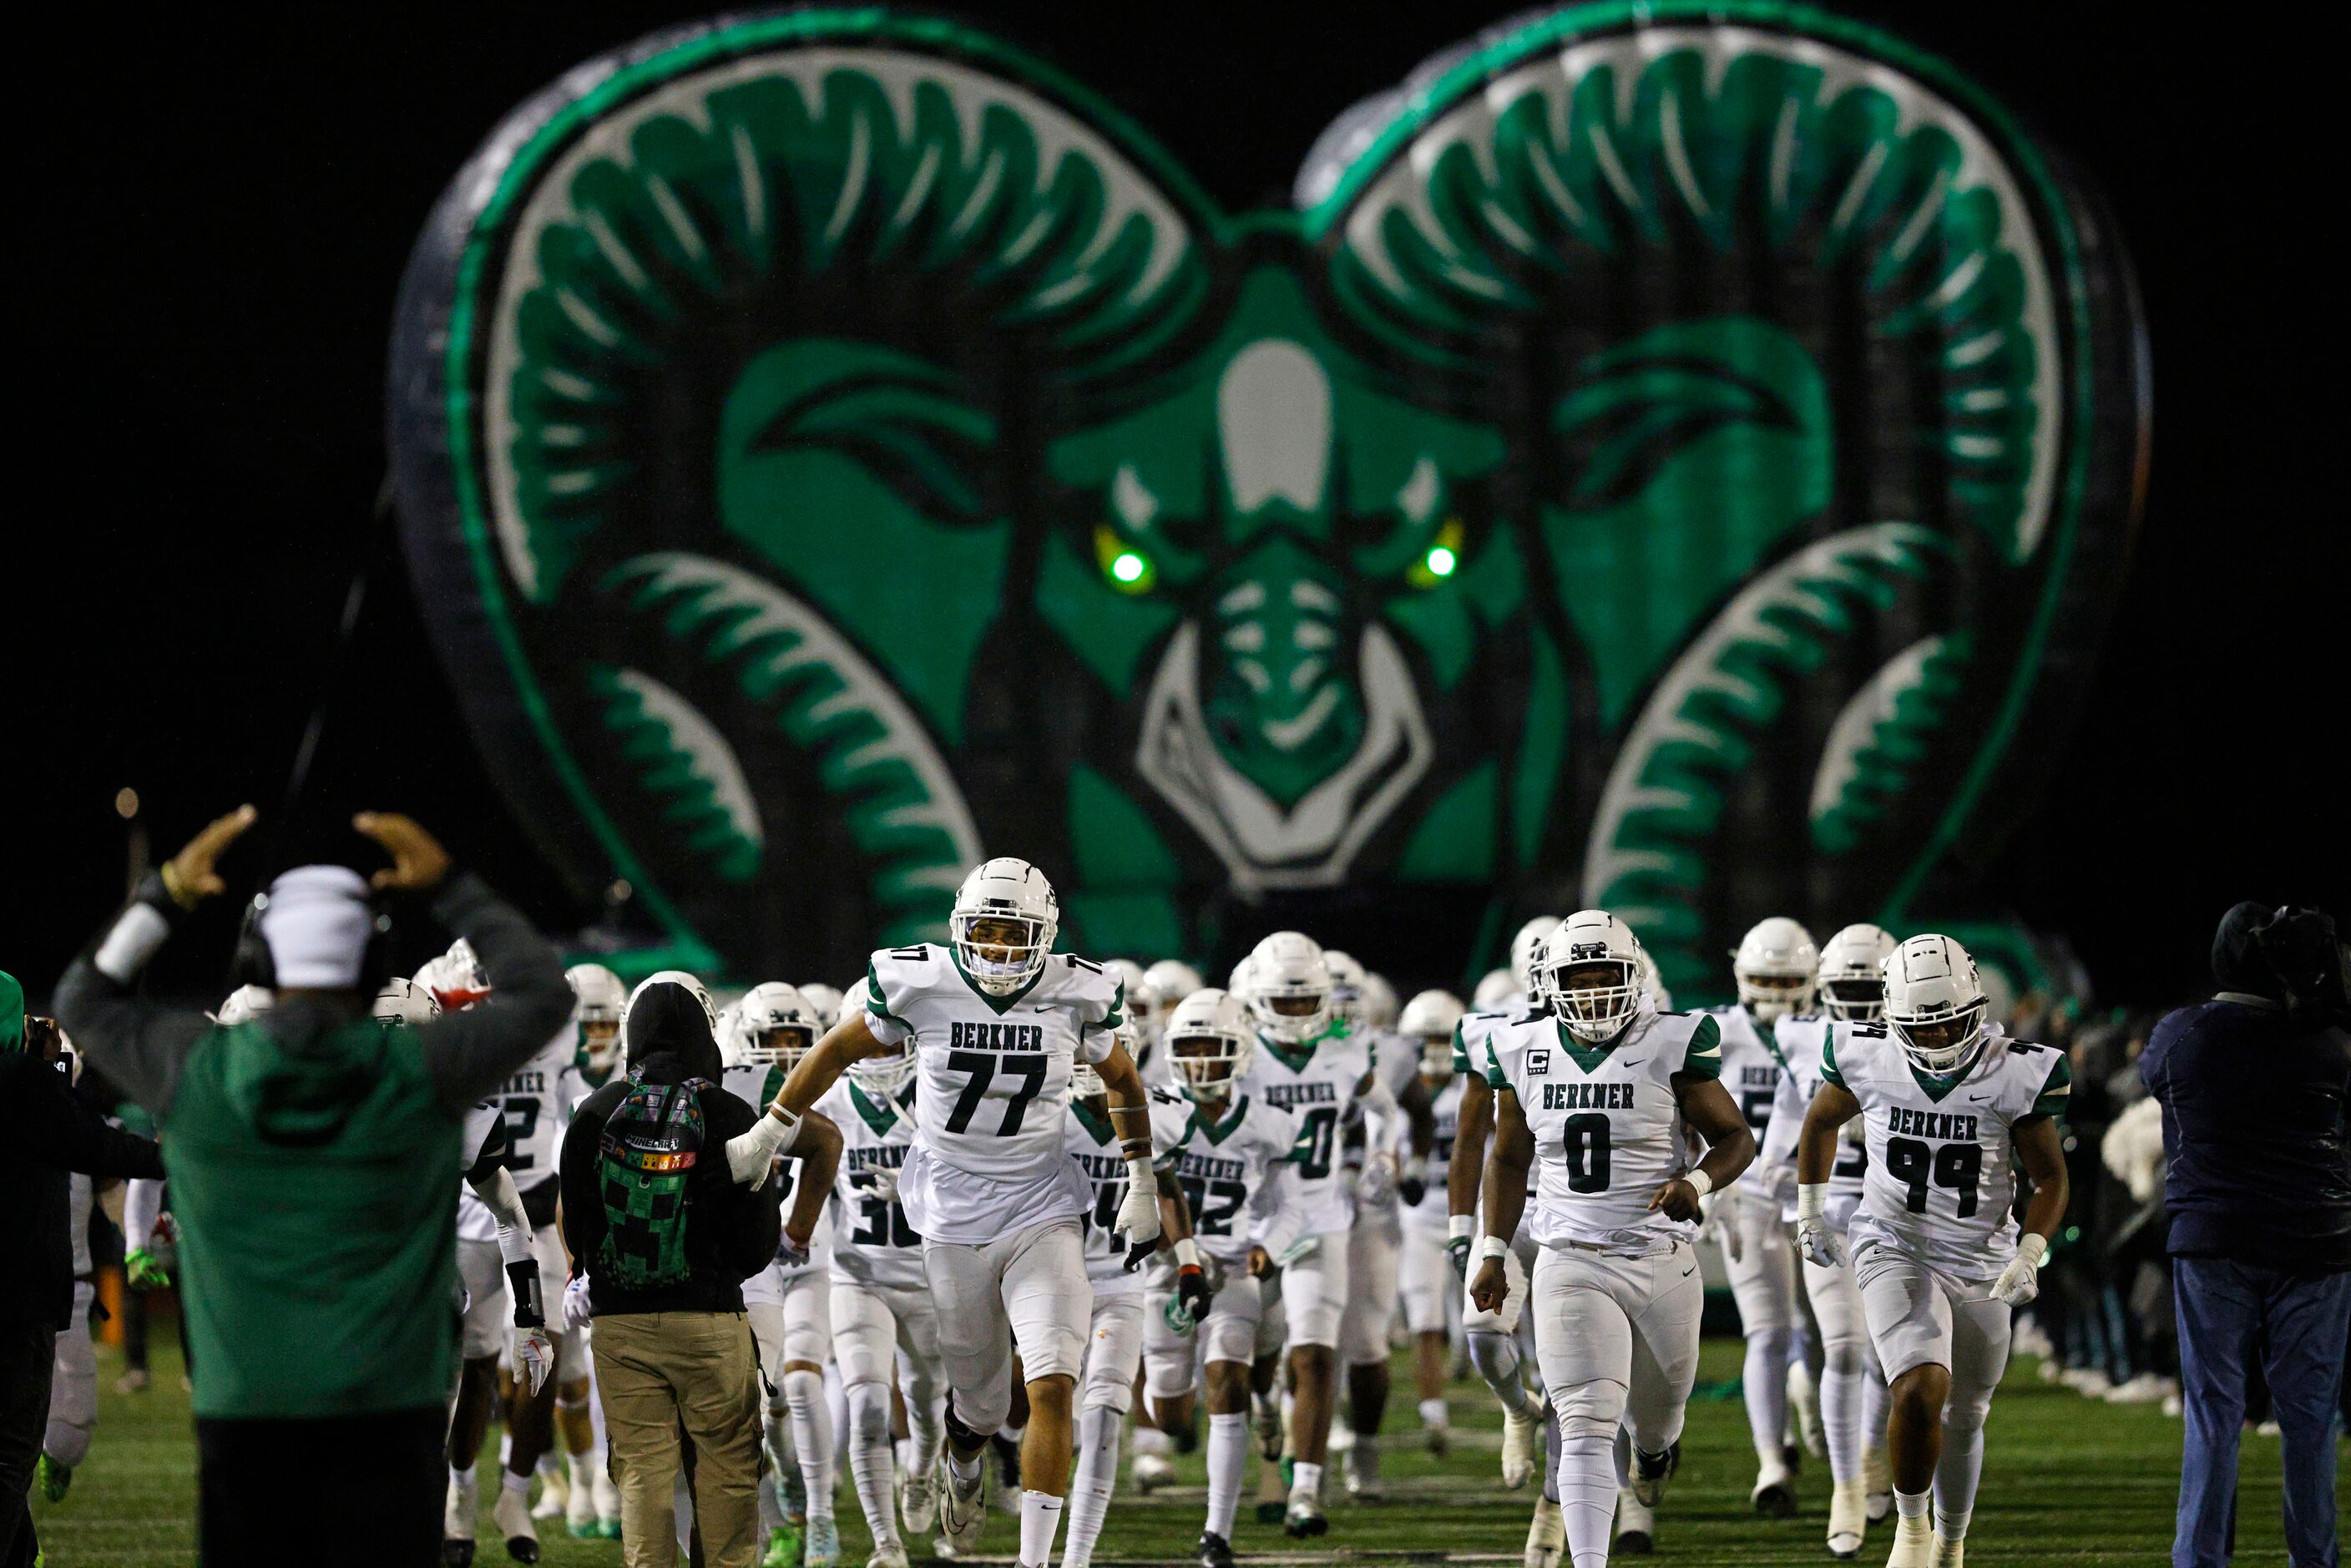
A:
{"points": [[1776, 968], [1595, 1095], [1235, 1157], [1307, 1060], [1426, 1280], [591, 1503], [1384, 1170], [825, 1000], [763, 1037], [1950, 1108], [1853, 1388], [999, 1021], [1145, 1011], [885, 1326], [1115, 1346]]}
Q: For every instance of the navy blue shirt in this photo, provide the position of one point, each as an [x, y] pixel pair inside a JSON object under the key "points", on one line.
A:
{"points": [[2254, 1108]]}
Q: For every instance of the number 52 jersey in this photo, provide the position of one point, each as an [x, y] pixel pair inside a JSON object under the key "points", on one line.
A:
{"points": [[993, 1086], [1941, 1184], [1607, 1125]]}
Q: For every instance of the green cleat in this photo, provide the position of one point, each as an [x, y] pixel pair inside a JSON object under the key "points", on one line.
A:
{"points": [[786, 1545], [54, 1479]]}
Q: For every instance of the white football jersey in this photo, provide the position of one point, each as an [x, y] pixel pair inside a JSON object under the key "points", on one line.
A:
{"points": [[576, 1084], [872, 1242], [993, 1085], [755, 1083], [1234, 1171], [535, 1116], [1093, 1145], [1607, 1128], [1942, 1178], [1445, 1104], [1750, 1069], [1473, 1053], [1800, 1041], [1318, 1081]]}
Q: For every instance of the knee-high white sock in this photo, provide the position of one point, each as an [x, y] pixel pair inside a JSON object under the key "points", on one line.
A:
{"points": [[1227, 1458], [1955, 1474], [1841, 1410], [1765, 1383], [869, 1464], [926, 1430], [1041, 1520], [790, 1489], [1098, 1427], [1587, 1492], [812, 1437], [836, 1403], [1876, 1406], [1551, 1460], [1495, 1355]]}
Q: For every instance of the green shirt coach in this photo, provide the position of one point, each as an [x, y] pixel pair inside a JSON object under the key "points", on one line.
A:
{"points": [[313, 1160]]}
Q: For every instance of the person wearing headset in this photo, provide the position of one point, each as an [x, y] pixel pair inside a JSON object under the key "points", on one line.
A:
{"points": [[313, 1156]]}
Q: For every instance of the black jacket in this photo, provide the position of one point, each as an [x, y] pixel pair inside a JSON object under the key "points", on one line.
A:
{"points": [[731, 1231], [45, 1132]]}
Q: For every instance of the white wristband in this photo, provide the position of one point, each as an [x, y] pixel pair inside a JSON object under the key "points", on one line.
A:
{"points": [[1699, 1181], [1812, 1199], [1187, 1253], [2033, 1248], [748, 1154], [1460, 1227], [1493, 1247]]}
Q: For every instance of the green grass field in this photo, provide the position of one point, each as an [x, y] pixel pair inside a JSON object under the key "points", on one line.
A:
{"points": [[2066, 1480]]}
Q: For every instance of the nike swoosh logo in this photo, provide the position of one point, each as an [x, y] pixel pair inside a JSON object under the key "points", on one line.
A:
{"points": [[1636, 1061], [1689, 1271], [1978, 1099]]}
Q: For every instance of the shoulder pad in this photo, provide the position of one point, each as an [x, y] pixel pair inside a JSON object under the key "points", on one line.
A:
{"points": [[893, 975]]}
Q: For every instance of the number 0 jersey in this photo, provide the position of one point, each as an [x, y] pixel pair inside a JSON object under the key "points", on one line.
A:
{"points": [[872, 1241], [1318, 1082], [1607, 1127], [1941, 1184], [993, 1086], [1233, 1171]]}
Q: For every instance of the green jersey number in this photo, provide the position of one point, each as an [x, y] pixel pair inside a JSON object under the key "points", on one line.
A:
{"points": [[1317, 1141]]}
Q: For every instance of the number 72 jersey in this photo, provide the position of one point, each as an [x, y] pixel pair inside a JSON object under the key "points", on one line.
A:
{"points": [[1941, 1183]]}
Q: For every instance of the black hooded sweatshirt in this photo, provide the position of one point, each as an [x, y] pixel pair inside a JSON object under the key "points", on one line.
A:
{"points": [[731, 1231]]}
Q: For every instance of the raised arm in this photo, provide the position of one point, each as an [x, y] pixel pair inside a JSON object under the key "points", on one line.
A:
{"points": [[748, 1154]]}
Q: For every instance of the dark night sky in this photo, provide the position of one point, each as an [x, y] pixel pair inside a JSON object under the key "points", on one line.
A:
{"points": [[217, 221]]}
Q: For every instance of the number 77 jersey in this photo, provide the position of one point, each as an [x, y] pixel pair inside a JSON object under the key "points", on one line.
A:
{"points": [[993, 1086], [1941, 1184]]}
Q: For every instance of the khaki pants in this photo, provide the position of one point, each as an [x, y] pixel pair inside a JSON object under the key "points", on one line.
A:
{"points": [[661, 1374]]}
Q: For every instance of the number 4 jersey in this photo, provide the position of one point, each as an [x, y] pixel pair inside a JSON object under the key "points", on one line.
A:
{"points": [[993, 1086], [1941, 1184], [1607, 1125]]}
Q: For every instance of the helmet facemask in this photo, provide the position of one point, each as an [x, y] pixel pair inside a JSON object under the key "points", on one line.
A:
{"points": [[1594, 997], [1208, 1064], [882, 1077], [600, 1039], [1942, 1042], [1086, 1084], [1436, 1056], [776, 1042], [1000, 950], [1292, 1012], [1857, 999]]}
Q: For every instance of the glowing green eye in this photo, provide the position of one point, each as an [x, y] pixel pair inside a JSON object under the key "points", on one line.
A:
{"points": [[1441, 560], [1128, 569]]}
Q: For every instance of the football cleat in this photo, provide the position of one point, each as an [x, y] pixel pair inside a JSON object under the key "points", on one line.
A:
{"points": [[784, 1545], [1304, 1518], [1848, 1520], [1546, 1535], [457, 1520], [1774, 1496], [1362, 1472], [1950, 1553], [579, 1511], [1153, 1471], [1652, 1472], [554, 1495], [1877, 1483], [511, 1514], [1272, 1493], [1265, 1416], [822, 1548], [963, 1507], [1914, 1545], [1522, 1442], [1804, 1408], [1214, 1550], [918, 1502], [1439, 1438], [1636, 1526], [891, 1556], [54, 1479]]}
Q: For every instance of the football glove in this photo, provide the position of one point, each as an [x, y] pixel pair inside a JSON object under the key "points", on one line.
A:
{"points": [[882, 1185], [1138, 1212], [792, 1254], [1376, 1187], [143, 1270], [1193, 1291], [576, 1312], [2021, 1281], [1822, 1246], [534, 1355], [1459, 1233]]}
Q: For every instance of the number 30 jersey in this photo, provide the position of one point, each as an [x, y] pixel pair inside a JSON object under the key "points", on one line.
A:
{"points": [[1318, 1083], [1607, 1126], [1941, 1184], [993, 1086], [1233, 1170], [872, 1241]]}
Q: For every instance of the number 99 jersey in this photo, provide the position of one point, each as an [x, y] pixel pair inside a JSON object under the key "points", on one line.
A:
{"points": [[992, 1077], [1941, 1184], [1606, 1122]]}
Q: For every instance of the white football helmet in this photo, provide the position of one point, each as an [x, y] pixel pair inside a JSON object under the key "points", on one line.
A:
{"points": [[1496, 986], [1210, 1039], [1777, 968], [1174, 979], [1144, 1003], [1289, 987], [1238, 982], [404, 1001], [774, 1026], [1430, 1019], [1853, 972], [1935, 1003], [1379, 1001], [1086, 1079], [244, 1003], [1523, 948], [1653, 984], [598, 999], [675, 977], [1347, 979], [825, 1002], [1590, 973], [883, 1076], [1011, 903]]}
